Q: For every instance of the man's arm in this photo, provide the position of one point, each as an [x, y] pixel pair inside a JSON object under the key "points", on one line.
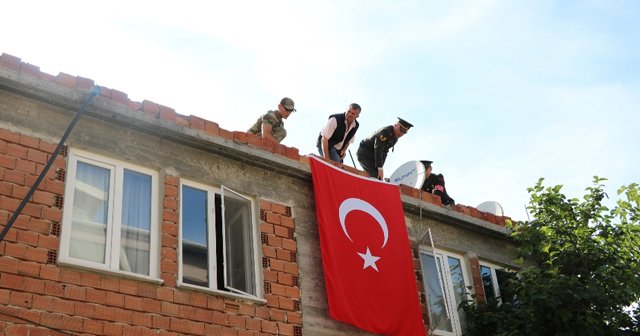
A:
{"points": [[325, 148], [266, 132]]}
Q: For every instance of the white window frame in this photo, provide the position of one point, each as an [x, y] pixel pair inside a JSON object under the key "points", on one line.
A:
{"points": [[114, 225], [446, 283], [211, 237], [494, 278]]}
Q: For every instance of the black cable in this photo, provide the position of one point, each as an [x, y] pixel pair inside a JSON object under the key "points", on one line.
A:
{"points": [[87, 100]]}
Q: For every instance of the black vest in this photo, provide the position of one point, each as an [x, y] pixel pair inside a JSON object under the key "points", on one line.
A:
{"points": [[338, 134]]}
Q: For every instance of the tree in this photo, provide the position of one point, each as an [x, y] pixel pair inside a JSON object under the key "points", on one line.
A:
{"points": [[579, 268]]}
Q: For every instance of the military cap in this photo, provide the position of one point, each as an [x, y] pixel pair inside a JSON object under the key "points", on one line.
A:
{"points": [[426, 163], [404, 124], [287, 103]]}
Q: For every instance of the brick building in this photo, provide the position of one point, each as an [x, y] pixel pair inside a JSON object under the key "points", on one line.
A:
{"points": [[150, 222]]}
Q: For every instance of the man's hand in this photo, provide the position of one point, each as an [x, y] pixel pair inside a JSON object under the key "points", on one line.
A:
{"points": [[380, 174]]}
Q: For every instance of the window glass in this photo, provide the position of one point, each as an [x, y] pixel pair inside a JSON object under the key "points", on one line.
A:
{"points": [[195, 245], [238, 242], [487, 282], [135, 237], [109, 219], [459, 287], [90, 213], [218, 239], [436, 300]]}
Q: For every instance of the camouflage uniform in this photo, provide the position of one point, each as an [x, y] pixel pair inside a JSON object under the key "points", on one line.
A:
{"points": [[277, 126]]}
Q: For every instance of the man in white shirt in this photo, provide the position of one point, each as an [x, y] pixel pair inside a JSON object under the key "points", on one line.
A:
{"points": [[338, 133]]}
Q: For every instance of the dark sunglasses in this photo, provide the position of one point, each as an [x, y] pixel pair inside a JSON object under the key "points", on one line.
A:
{"points": [[289, 110]]}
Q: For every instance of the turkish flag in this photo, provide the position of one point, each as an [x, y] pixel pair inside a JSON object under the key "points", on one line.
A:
{"points": [[368, 267]]}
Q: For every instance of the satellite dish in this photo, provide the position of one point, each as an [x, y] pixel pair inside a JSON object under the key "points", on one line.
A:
{"points": [[491, 207], [410, 173]]}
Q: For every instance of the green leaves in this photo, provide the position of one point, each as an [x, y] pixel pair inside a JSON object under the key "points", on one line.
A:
{"points": [[583, 267]]}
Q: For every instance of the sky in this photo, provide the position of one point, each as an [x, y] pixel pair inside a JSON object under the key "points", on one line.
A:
{"points": [[500, 92]]}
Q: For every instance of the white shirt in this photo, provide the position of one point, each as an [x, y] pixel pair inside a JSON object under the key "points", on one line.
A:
{"points": [[331, 126]]}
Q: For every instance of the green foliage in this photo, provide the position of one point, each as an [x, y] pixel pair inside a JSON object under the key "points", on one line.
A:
{"points": [[581, 274]]}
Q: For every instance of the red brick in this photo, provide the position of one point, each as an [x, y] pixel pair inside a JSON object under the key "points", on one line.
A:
{"points": [[240, 137], [150, 108], [43, 303], [66, 80], [84, 309], [53, 186], [226, 134], [8, 161], [49, 272], [281, 231], [72, 276], [84, 83], [269, 327], [16, 250], [211, 128], [196, 123], [93, 327], [40, 225], [119, 97], [113, 329], [289, 244], [293, 153], [20, 299], [54, 288], [29, 268], [10, 62], [75, 293], [96, 296], [182, 120], [115, 299], [28, 167], [47, 147], [28, 141], [29, 69], [48, 242], [7, 265], [28, 237], [15, 177], [167, 113], [265, 205], [273, 218], [52, 214], [36, 156], [186, 326], [37, 254]]}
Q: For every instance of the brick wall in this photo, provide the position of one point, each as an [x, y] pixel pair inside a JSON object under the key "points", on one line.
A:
{"points": [[37, 297]]}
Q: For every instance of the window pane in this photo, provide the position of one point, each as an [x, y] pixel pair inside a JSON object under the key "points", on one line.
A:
{"points": [[459, 288], [195, 246], [487, 282], [136, 223], [238, 243], [436, 300], [90, 213]]}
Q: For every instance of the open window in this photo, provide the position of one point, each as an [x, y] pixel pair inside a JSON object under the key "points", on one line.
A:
{"points": [[218, 240], [445, 286]]}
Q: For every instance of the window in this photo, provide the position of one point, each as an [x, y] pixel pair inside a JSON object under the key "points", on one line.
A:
{"points": [[110, 215], [218, 240], [494, 282], [445, 287]]}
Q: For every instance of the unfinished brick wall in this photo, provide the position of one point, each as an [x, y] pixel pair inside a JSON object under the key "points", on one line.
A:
{"points": [[37, 297]]}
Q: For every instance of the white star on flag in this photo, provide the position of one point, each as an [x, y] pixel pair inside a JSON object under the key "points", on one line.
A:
{"points": [[369, 260]]}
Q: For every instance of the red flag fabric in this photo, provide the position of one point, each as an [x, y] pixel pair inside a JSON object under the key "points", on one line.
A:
{"points": [[366, 257]]}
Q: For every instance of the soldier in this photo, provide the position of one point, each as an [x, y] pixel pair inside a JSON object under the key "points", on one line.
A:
{"points": [[270, 125], [373, 150], [338, 133]]}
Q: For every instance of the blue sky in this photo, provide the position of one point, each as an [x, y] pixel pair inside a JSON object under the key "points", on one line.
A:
{"points": [[500, 92]]}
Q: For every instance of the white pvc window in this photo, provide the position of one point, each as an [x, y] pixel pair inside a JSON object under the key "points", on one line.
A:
{"points": [[110, 215], [445, 286], [218, 248], [493, 281]]}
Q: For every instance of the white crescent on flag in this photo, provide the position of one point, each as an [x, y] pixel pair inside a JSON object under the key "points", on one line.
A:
{"points": [[351, 204]]}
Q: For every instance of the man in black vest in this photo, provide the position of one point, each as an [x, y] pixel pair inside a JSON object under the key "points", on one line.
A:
{"points": [[338, 133], [373, 150]]}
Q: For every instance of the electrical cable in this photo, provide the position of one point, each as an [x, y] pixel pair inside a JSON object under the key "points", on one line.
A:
{"points": [[87, 100]]}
